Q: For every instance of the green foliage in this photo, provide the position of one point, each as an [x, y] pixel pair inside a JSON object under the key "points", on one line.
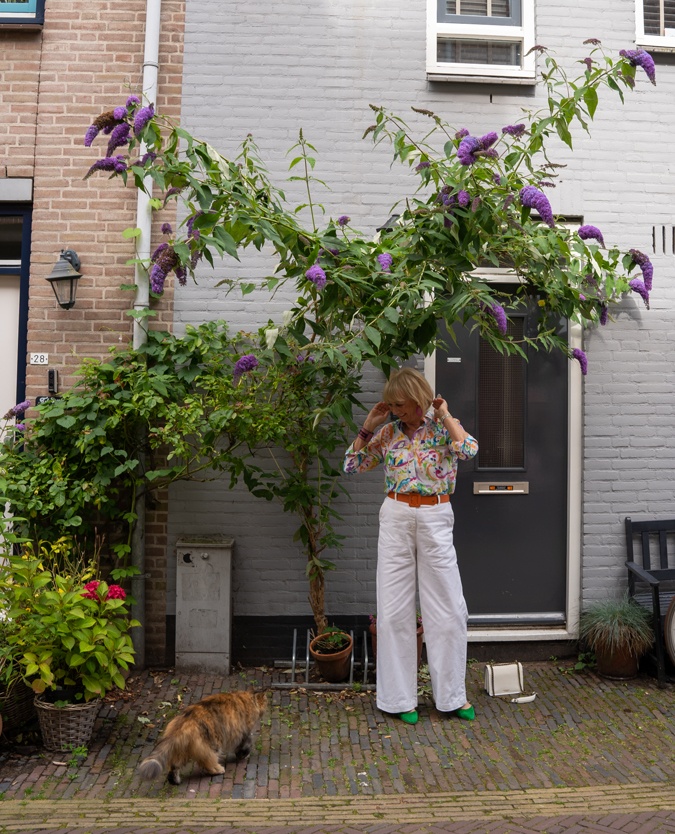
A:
{"points": [[331, 640], [59, 637], [616, 625], [179, 398], [174, 410], [367, 313]]}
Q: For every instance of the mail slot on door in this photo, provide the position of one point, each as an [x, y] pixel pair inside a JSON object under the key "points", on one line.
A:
{"points": [[501, 488]]}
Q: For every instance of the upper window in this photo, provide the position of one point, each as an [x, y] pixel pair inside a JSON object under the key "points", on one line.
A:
{"points": [[655, 24], [481, 40], [22, 13]]}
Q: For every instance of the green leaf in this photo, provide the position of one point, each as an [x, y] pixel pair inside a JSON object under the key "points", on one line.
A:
{"points": [[373, 335], [68, 421], [132, 232], [591, 100], [563, 132]]}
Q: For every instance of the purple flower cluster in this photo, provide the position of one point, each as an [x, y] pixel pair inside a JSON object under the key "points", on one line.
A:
{"points": [[638, 286], [142, 117], [591, 232], [514, 130], [105, 122], [193, 233], [532, 197], [17, 410], [604, 314], [166, 229], [317, 276], [640, 58], [164, 259], [132, 101], [461, 133], [343, 220], [498, 313], [582, 359], [119, 136], [90, 135], [645, 265], [120, 113], [108, 163], [463, 198], [422, 165], [589, 63], [471, 147], [244, 365], [385, 260]]}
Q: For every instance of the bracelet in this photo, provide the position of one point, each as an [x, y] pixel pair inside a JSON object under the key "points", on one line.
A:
{"points": [[364, 434]]}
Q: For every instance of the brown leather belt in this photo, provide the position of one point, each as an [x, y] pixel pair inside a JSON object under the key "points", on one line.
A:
{"points": [[414, 499]]}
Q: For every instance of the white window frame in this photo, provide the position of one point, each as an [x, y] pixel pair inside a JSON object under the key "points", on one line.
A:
{"points": [[658, 43], [480, 73]]}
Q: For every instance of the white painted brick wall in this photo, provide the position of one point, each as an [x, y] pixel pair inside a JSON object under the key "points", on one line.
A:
{"points": [[318, 66]]}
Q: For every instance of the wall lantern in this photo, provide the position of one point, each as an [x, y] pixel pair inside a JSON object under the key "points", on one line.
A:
{"points": [[64, 278]]}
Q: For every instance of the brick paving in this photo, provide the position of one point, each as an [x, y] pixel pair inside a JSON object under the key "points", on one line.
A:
{"points": [[587, 755]]}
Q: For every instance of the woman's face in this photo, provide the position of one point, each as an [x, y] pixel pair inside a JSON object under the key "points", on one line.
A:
{"points": [[406, 410]]}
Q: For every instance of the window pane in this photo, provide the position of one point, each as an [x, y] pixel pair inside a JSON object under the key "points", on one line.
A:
{"points": [[463, 51], [484, 8], [10, 238], [501, 405], [659, 15]]}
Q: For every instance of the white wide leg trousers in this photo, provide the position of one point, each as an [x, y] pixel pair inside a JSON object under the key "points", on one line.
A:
{"points": [[416, 543]]}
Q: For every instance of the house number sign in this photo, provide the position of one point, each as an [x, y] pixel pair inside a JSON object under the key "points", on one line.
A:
{"points": [[39, 359]]}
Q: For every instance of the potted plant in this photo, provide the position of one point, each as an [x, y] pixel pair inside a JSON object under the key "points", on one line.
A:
{"points": [[372, 629], [16, 699], [70, 638], [618, 632], [331, 649]]}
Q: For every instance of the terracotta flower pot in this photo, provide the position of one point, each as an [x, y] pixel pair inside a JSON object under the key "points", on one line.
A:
{"points": [[618, 665], [372, 628], [334, 666]]}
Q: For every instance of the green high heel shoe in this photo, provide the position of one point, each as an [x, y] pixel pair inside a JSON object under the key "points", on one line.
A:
{"points": [[409, 717], [467, 714]]}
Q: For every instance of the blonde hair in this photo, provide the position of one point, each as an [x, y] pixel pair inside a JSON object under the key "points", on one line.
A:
{"points": [[408, 384]]}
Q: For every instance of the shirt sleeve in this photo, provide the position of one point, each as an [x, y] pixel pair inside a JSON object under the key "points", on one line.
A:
{"points": [[465, 449], [368, 458]]}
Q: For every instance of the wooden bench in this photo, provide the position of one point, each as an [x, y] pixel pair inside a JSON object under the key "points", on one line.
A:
{"points": [[650, 548]]}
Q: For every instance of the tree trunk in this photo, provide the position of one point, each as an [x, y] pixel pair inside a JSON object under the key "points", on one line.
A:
{"points": [[317, 600]]}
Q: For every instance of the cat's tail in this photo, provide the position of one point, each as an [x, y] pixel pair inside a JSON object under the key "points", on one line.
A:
{"points": [[155, 765]]}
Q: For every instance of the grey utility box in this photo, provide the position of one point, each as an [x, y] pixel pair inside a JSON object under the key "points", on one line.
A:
{"points": [[204, 603]]}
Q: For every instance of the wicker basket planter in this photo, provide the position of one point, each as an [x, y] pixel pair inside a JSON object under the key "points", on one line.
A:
{"points": [[16, 706], [64, 728]]}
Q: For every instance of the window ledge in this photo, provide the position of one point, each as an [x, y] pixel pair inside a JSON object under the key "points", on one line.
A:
{"points": [[529, 80], [650, 46]]}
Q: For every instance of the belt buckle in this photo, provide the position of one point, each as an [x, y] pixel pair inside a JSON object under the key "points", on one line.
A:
{"points": [[415, 499]]}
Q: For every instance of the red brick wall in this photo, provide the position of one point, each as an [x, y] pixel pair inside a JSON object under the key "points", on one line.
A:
{"points": [[87, 59]]}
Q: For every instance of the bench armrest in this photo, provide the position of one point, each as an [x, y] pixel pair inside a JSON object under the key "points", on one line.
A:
{"points": [[642, 574]]}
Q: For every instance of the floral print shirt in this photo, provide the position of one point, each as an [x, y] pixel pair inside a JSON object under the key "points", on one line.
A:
{"points": [[425, 464]]}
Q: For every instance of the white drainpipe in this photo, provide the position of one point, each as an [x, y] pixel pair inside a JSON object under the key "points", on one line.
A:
{"points": [[142, 302]]}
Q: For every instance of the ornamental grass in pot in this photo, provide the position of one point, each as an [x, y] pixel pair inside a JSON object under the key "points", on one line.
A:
{"points": [[618, 632]]}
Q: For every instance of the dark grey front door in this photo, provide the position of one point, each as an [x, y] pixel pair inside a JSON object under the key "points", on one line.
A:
{"points": [[511, 500]]}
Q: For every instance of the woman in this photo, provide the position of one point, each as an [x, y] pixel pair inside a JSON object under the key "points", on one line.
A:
{"points": [[419, 450]]}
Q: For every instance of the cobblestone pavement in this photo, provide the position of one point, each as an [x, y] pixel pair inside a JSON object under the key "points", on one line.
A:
{"points": [[587, 755]]}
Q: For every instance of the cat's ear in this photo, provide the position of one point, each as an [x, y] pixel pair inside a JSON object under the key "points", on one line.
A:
{"points": [[261, 699]]}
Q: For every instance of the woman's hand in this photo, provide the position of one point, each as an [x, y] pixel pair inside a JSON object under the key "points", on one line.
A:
{"points": [[377, 415], [441, 409]]}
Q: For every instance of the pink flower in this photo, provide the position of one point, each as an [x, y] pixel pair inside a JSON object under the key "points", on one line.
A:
{"points": [[116, 592]]}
